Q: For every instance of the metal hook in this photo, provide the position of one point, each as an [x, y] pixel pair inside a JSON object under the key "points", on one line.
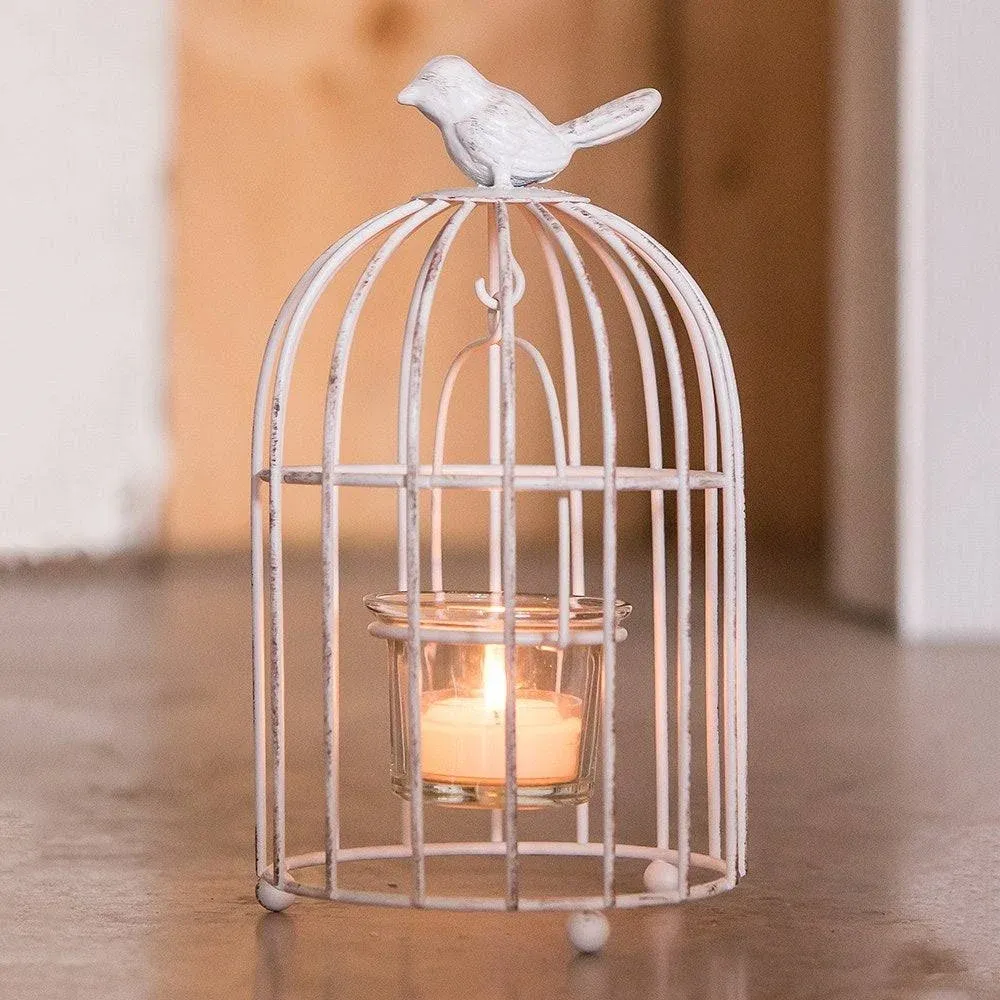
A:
{"points": [[490, 301]]}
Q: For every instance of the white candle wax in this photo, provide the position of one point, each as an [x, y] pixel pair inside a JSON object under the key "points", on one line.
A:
{"points": [[463, 740]]}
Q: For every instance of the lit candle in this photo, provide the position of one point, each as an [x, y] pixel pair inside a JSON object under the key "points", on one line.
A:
{"points": [[463, 736]]}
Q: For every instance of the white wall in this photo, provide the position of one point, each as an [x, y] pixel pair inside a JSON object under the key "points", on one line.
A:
{"points": [[84, 100], [942, 464], [949, 293]]}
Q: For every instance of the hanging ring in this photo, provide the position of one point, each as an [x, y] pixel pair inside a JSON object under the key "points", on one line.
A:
{"points": [[490, 301]]}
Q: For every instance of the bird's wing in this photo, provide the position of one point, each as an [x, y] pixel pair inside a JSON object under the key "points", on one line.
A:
{"points": [[511, 132]]}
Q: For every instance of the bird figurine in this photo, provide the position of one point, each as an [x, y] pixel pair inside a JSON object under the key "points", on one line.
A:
{"points": [[499, 138]]}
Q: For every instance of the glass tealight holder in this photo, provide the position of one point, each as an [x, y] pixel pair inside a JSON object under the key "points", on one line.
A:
{"points": [[463, 701]]}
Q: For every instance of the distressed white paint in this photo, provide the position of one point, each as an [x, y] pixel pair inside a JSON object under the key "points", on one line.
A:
{"points": [[639, 266], [935, 562], [498, 138], [630, 252], [84, 100]]}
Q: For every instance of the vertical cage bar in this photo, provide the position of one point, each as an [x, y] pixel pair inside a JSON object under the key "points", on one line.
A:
{"points": [[259, 675], [508, 538], [405, 808], [564, 576], [729, 681], [330, 523], [330, 536], [414, 674], [493, 430], [277, 689], [610, 538], [740, 597], [424, 293], [572, 394], [700, 319], [661, 672], [684, 689], [401, 419], [610, 552], [564, 588], [493, 397], [277, 652], [295, 312], [568, 349], [741, 680], [679, 413], [712, 764]]}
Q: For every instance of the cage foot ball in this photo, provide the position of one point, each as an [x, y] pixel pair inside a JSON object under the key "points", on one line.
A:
{"points": [[588, 931], [661, 878], [271, 898]]}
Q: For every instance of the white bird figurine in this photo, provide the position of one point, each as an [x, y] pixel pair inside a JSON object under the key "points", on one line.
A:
{"points": [[500, 139]]}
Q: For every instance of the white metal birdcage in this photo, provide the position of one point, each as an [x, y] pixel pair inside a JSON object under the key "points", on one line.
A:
{"points": [[647, 278]]}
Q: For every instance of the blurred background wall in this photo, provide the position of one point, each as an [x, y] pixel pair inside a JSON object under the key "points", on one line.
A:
{"points": [[288, 136], [85, 103], [862, 495], [801, 146], [915, 408]]}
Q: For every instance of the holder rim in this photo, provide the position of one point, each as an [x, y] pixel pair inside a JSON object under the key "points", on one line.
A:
{"points": [[532, 612]]}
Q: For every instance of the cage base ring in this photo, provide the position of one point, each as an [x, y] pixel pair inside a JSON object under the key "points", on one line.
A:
{"points": [[545, 848]]}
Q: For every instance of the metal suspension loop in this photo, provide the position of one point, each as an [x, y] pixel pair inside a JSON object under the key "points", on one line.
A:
{"points": [[441, 423]]}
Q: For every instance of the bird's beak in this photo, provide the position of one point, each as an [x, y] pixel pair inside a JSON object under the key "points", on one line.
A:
{"points": [[408, 95]]}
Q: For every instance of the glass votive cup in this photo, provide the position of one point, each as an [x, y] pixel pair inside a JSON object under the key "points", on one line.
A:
{"points": [[463, 699]]}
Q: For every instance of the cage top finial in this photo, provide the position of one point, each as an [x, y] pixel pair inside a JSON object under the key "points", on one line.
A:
{"points": [[500, 139]]}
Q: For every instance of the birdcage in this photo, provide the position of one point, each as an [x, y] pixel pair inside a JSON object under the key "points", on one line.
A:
{"points": [[502, 700]]}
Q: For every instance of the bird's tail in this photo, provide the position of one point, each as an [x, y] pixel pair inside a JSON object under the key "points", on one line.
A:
{"points": [[614, 120]]}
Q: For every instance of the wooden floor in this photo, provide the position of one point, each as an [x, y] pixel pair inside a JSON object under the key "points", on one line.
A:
{"points": [[125, 814]]}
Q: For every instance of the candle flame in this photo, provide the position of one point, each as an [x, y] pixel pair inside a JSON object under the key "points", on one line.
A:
{"points": [[494, 678]]}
